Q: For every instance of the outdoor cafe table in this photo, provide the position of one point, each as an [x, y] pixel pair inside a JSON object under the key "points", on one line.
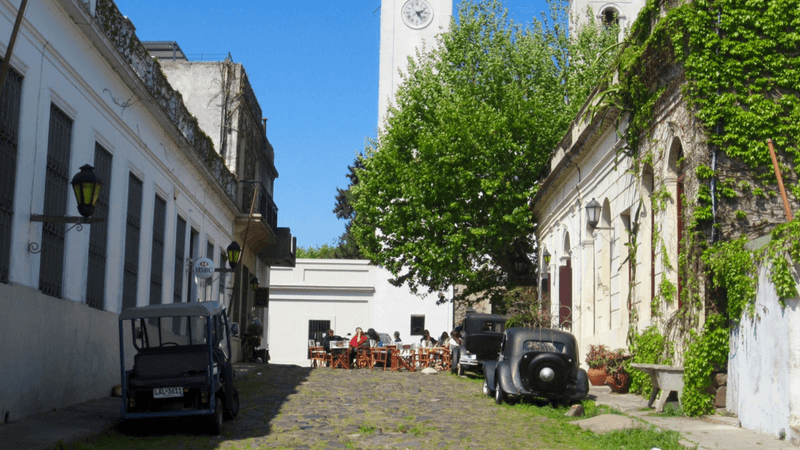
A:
{"points": [[340, 355]]}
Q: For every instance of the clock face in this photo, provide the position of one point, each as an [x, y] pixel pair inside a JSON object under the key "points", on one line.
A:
{"points": [[417, 13]]}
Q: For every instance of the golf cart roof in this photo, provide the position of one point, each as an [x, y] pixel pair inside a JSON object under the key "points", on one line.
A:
{"points": [[172, 309]]}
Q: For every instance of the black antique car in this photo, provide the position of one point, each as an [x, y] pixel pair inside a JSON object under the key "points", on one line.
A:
{"points": [[180, 364], [536, 363], [481, 336]]}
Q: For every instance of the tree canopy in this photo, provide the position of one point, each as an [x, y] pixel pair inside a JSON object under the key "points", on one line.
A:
{"points": [[443, 195]]}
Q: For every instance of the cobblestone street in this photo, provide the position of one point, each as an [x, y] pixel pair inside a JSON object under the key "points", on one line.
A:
{"points": [[297, 407]]}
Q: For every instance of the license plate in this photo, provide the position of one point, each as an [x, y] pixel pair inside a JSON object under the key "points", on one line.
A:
{"points": [[168, 392]]}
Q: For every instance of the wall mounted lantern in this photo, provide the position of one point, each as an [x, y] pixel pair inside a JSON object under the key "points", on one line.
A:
{"points": [[546, 257], [86, 187], [254, 284], [593, 213], [234, 253]]}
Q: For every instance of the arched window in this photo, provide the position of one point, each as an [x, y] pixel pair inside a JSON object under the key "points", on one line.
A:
{"points": [[610, 16]]}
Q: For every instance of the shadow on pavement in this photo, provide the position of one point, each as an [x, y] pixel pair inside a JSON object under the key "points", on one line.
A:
{"points": [[263, 389]]}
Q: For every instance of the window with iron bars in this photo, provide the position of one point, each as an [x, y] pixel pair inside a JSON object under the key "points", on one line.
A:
{"points": [[223, 264], [317, 330], [57, 178], [133, 226], [208, 283], [98, 233], [180, 246], [157, 255], [10, 103]]}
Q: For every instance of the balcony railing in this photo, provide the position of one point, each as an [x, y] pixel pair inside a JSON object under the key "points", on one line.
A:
{"points": [[263, 205]]}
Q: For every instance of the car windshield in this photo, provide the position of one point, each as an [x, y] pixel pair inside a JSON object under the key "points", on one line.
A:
{"points": [[171, 331], [542, 346]]}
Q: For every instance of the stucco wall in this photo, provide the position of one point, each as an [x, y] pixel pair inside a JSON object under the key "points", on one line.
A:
{"points": [[349, 293], [54, 352], [764, 365]]}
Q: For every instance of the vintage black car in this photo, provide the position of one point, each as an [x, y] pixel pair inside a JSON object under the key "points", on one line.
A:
{"points": [[536, 363], [181, 363], [481, 336]]}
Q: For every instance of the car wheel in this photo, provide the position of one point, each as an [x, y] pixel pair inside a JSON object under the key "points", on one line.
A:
{"points": [[216, 419], [486, 391], [232, 409], [499, 395]]}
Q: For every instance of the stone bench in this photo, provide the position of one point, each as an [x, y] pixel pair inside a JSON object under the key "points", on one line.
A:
{"points": [[664, 378]]}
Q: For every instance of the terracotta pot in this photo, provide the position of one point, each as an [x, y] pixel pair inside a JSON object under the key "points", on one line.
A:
{"points": [[597, 375], [619, 382]]}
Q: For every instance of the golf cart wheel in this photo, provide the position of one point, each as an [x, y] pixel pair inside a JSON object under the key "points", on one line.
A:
{"points": [[216, 418], [232, 409], [486, 391], [499, 395]]}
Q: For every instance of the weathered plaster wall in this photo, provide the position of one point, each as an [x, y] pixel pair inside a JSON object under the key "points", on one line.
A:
{"points": [[764, 365]]}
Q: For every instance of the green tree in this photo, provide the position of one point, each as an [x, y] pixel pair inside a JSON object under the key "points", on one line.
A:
{"points": [[347, 247], [443, 196], [324, 251]]}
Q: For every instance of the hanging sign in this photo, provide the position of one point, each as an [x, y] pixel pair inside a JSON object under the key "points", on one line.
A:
{"points": [[203, 268]]}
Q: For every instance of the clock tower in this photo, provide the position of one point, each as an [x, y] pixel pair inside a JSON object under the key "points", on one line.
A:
{"points": [[405, 26]]}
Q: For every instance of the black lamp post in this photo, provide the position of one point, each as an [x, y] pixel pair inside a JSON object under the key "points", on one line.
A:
{"points": [[86, 187], [593, 213]]}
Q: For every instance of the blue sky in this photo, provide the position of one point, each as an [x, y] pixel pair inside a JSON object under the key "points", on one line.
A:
{"points": [[314, 69]]}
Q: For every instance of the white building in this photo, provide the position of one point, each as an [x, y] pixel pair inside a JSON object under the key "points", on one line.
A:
{"points": [[318, 294], [407, 26], [83, 90]]}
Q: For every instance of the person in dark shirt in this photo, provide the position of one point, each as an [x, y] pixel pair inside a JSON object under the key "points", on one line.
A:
{"points": [[326, 340], [426, 336]]}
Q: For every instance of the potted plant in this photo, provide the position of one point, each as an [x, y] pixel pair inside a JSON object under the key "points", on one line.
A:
{"points": [[596, 359], [618, 378]]}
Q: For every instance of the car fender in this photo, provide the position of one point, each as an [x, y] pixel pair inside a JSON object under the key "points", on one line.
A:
{"points": [[488, 372], [581, 385], [504, 378]]}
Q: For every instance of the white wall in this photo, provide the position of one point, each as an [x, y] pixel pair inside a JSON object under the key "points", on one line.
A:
{"points": [[349, 293], [764, 365], [54, 352], [58, 351]]}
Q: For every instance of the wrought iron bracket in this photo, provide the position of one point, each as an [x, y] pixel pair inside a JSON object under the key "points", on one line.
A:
{"points": [[34, 247]]}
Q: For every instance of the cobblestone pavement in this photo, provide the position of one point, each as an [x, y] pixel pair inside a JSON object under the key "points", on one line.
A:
{"points": [[303, 408], [323, 408]]}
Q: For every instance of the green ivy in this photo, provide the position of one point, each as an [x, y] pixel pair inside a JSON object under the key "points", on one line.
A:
{"points": [[706, 351], [649, 347], [733, 269]]}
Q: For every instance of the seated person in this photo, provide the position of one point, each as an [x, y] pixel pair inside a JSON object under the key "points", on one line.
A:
{"points": [[326, 340], [427, 340], [455, 339], [359, 340], [397, 337], [374, 338]]}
